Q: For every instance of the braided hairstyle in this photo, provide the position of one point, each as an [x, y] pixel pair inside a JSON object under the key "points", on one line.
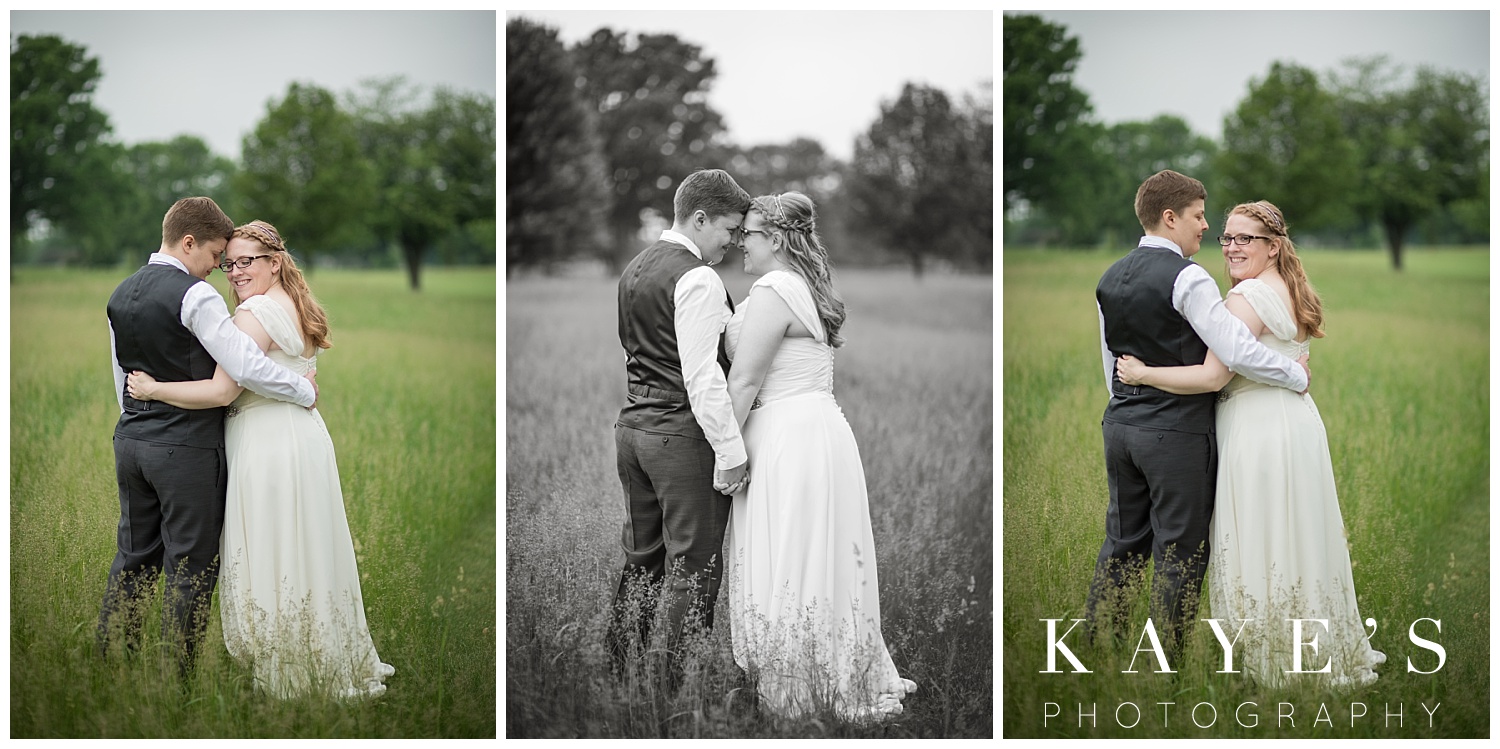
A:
{"points": [[793, 216], [310, 314], [1307, 308]]}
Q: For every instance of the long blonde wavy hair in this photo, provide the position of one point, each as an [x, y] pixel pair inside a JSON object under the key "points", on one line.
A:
{"points": [[1307, 308], [310, 314], [793, 216]]}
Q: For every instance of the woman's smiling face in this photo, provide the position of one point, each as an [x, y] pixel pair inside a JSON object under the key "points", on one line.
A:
{"points": [[1248, 260], [259, 276]]}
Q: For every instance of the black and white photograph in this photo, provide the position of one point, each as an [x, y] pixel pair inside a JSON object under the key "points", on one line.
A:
{"points": [[749, 374]]}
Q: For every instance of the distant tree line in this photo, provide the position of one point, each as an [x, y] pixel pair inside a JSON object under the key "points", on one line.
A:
{"points": [[389, 175], [598, 136], [1360, 155]]}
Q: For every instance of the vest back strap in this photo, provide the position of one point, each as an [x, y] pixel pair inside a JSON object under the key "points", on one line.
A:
{"points": [[646, 391]]}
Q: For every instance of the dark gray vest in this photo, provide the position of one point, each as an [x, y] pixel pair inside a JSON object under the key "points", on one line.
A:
{"points": [[145, 313], [1135, 296], [656, 396]]}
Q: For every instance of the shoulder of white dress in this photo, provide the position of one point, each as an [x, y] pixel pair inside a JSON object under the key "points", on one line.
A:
{"points": [[252, 305], [769, 278], [1244, 287]]}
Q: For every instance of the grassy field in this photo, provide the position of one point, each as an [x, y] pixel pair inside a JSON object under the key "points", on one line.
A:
{"points": [[915, 381], [1402, 382], [408, 393]]}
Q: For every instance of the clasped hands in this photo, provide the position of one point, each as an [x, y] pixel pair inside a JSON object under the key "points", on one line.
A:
{"points": [[732, 480]]}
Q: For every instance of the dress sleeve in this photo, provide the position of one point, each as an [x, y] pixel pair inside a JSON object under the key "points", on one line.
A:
{"points": [[205, 314], [794, 291], [1269, 306], [278, 324], [1196, 298]]}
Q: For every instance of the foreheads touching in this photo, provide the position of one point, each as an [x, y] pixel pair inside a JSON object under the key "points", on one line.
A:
{"points": [[711, 191], [197, 217], [1166, 191]]}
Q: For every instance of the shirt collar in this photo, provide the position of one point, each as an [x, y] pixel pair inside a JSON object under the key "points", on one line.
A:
{"points": [[1151, 240], [667, 235], [162, 258]]}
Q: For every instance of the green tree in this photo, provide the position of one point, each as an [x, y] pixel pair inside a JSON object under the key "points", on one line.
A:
{"points": [[303, 171], [161, 173], [1049, 143], [1134, 151], [434, 167], [919, 181], [654, 122], [557, 195], [60, 159], [1420, 147], [1287, 144]]}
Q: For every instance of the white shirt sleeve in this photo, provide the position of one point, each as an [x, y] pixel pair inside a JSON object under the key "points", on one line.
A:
{"points": [[1196, 298], [206, 315], [699, 318], [1109, 356], [114, 364]]}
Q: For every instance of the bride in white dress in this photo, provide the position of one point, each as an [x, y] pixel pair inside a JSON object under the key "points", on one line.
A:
{"points": [[289, 588], [1279, 548], [803, 591]]}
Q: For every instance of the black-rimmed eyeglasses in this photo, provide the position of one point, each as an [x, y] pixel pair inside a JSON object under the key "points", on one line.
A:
{"points": [[1242, 239], [243, 262]]}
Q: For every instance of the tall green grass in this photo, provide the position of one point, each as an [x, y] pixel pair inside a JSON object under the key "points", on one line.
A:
{"points": [[915, 382], [1402, 383], [408, 395]]}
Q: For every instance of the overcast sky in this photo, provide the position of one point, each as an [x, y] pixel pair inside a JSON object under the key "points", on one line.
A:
{"points": [[213, 73], [820, 74], [1130, 72]]}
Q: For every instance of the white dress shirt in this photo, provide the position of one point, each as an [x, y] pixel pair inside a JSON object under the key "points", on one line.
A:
{"points": [[205, 314], [1195, 296], [699, 316]]}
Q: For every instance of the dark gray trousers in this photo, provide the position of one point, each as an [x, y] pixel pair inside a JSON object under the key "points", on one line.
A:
{"points": [[171, 514], [1161, 498], [673, 536]]}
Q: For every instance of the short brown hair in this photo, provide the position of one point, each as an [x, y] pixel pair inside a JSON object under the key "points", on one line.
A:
{"points": [[712, 191], [199, 217], [1166, 190]]}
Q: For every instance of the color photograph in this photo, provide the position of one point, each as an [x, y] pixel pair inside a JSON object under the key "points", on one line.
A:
{"points": [[277, 518], [1246, 350]]}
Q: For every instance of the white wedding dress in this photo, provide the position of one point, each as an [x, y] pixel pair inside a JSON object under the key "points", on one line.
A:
{"points": [[803, 592], [289, 588], [1279, 549]]}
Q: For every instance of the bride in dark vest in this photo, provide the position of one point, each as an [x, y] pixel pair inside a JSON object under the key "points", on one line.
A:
{"points": [[804, 595], [290, 597]]}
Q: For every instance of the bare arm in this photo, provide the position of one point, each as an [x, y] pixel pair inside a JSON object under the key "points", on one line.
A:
{"points": [[767, 319], [1208, 377], [1196, 298], [204, 313], [195, 394], [221, 390]]}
